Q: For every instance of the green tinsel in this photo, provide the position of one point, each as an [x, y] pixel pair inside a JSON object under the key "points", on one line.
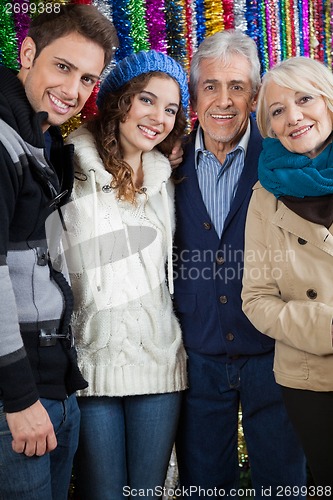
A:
{"points": [[139, 30], [8, 40]]}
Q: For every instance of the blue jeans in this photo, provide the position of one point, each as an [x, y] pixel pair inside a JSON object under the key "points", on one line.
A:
{"points": [[47, 477], [125, 444], [206, 442]]}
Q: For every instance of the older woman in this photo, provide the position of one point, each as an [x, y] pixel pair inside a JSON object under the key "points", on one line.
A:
{"points": [[288, 276]]}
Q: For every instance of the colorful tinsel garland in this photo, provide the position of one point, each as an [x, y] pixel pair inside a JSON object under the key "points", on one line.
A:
{"points": [[281, 29]]}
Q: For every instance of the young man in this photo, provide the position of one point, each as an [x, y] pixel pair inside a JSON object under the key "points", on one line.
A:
{"points": [[230, 363], [62, 59]]}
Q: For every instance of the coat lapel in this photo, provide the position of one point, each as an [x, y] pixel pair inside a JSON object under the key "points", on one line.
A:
{"points": [[249, 175], [188, 173], [315, 234]]}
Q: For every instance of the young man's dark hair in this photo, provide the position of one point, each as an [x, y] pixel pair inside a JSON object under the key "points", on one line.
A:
{"points": [[86, 20]]}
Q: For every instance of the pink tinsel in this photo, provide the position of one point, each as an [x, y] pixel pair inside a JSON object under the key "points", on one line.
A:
{"points": [[156, 25]]}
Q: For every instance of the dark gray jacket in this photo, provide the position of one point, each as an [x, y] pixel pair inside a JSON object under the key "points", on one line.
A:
{"points": [[32, 295]]}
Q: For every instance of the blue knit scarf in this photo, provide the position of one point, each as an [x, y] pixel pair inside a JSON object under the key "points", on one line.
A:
{"points": [[290, 174]]}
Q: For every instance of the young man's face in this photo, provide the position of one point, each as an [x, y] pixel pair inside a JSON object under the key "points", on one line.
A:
{"points": [[62, 77]]}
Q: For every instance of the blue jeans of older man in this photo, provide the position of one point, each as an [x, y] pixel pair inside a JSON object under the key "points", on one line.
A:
{"points": [[47, 477], [206, 443]]}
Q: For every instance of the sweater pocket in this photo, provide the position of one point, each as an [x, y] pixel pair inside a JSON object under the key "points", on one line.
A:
{"points": [[190, 319]]}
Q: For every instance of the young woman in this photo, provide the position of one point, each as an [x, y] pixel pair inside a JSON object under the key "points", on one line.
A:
{"points": [[121, 221], [288, 275]]}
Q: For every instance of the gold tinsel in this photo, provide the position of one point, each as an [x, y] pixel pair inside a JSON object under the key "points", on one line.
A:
{"points": [[71, 124], [214, 16]]}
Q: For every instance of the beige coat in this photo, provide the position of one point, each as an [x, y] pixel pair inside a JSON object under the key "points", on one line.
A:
{"points": [[288, 290]]}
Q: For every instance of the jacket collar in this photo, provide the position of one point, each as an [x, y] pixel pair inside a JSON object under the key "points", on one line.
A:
{"points": [[250, 172], [310, 232], [16, 111]]}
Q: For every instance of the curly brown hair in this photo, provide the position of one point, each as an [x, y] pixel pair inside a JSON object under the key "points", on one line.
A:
{"points": [[105, 129]]}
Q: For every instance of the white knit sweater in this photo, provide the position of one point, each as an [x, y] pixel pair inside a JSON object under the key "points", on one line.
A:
{"points": [[128, 338]]}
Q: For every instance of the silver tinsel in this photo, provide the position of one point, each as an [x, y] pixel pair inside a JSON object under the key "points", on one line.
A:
{"points": [[239, 15]]}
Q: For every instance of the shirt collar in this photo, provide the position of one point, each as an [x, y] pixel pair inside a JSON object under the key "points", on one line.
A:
{"points": [[199, 142]]}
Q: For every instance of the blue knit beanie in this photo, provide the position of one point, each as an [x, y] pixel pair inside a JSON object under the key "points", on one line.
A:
{"points": [[138, 64]]}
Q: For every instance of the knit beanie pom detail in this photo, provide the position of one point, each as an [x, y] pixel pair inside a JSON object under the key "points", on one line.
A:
{"points": [[138, 64]]}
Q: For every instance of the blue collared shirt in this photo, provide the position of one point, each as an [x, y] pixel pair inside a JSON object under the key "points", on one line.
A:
{"points": [[218, 182]]}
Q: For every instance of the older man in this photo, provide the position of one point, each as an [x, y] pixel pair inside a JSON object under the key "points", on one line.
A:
{"points": [[230, 362]]}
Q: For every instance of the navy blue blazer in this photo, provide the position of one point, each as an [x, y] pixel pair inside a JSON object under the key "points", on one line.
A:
{"points": [[208, 270]]}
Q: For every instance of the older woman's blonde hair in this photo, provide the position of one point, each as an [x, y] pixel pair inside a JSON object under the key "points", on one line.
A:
{"points": [[300, 74]]}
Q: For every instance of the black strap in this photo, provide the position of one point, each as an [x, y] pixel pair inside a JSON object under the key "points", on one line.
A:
{"points": [[66, 290]]}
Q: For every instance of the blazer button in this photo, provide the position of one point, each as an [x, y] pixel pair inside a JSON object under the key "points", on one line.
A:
{"points": [[230, 336], [207, 225], [220, 260], [223, 299], [301, 241], [311, 293]]}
